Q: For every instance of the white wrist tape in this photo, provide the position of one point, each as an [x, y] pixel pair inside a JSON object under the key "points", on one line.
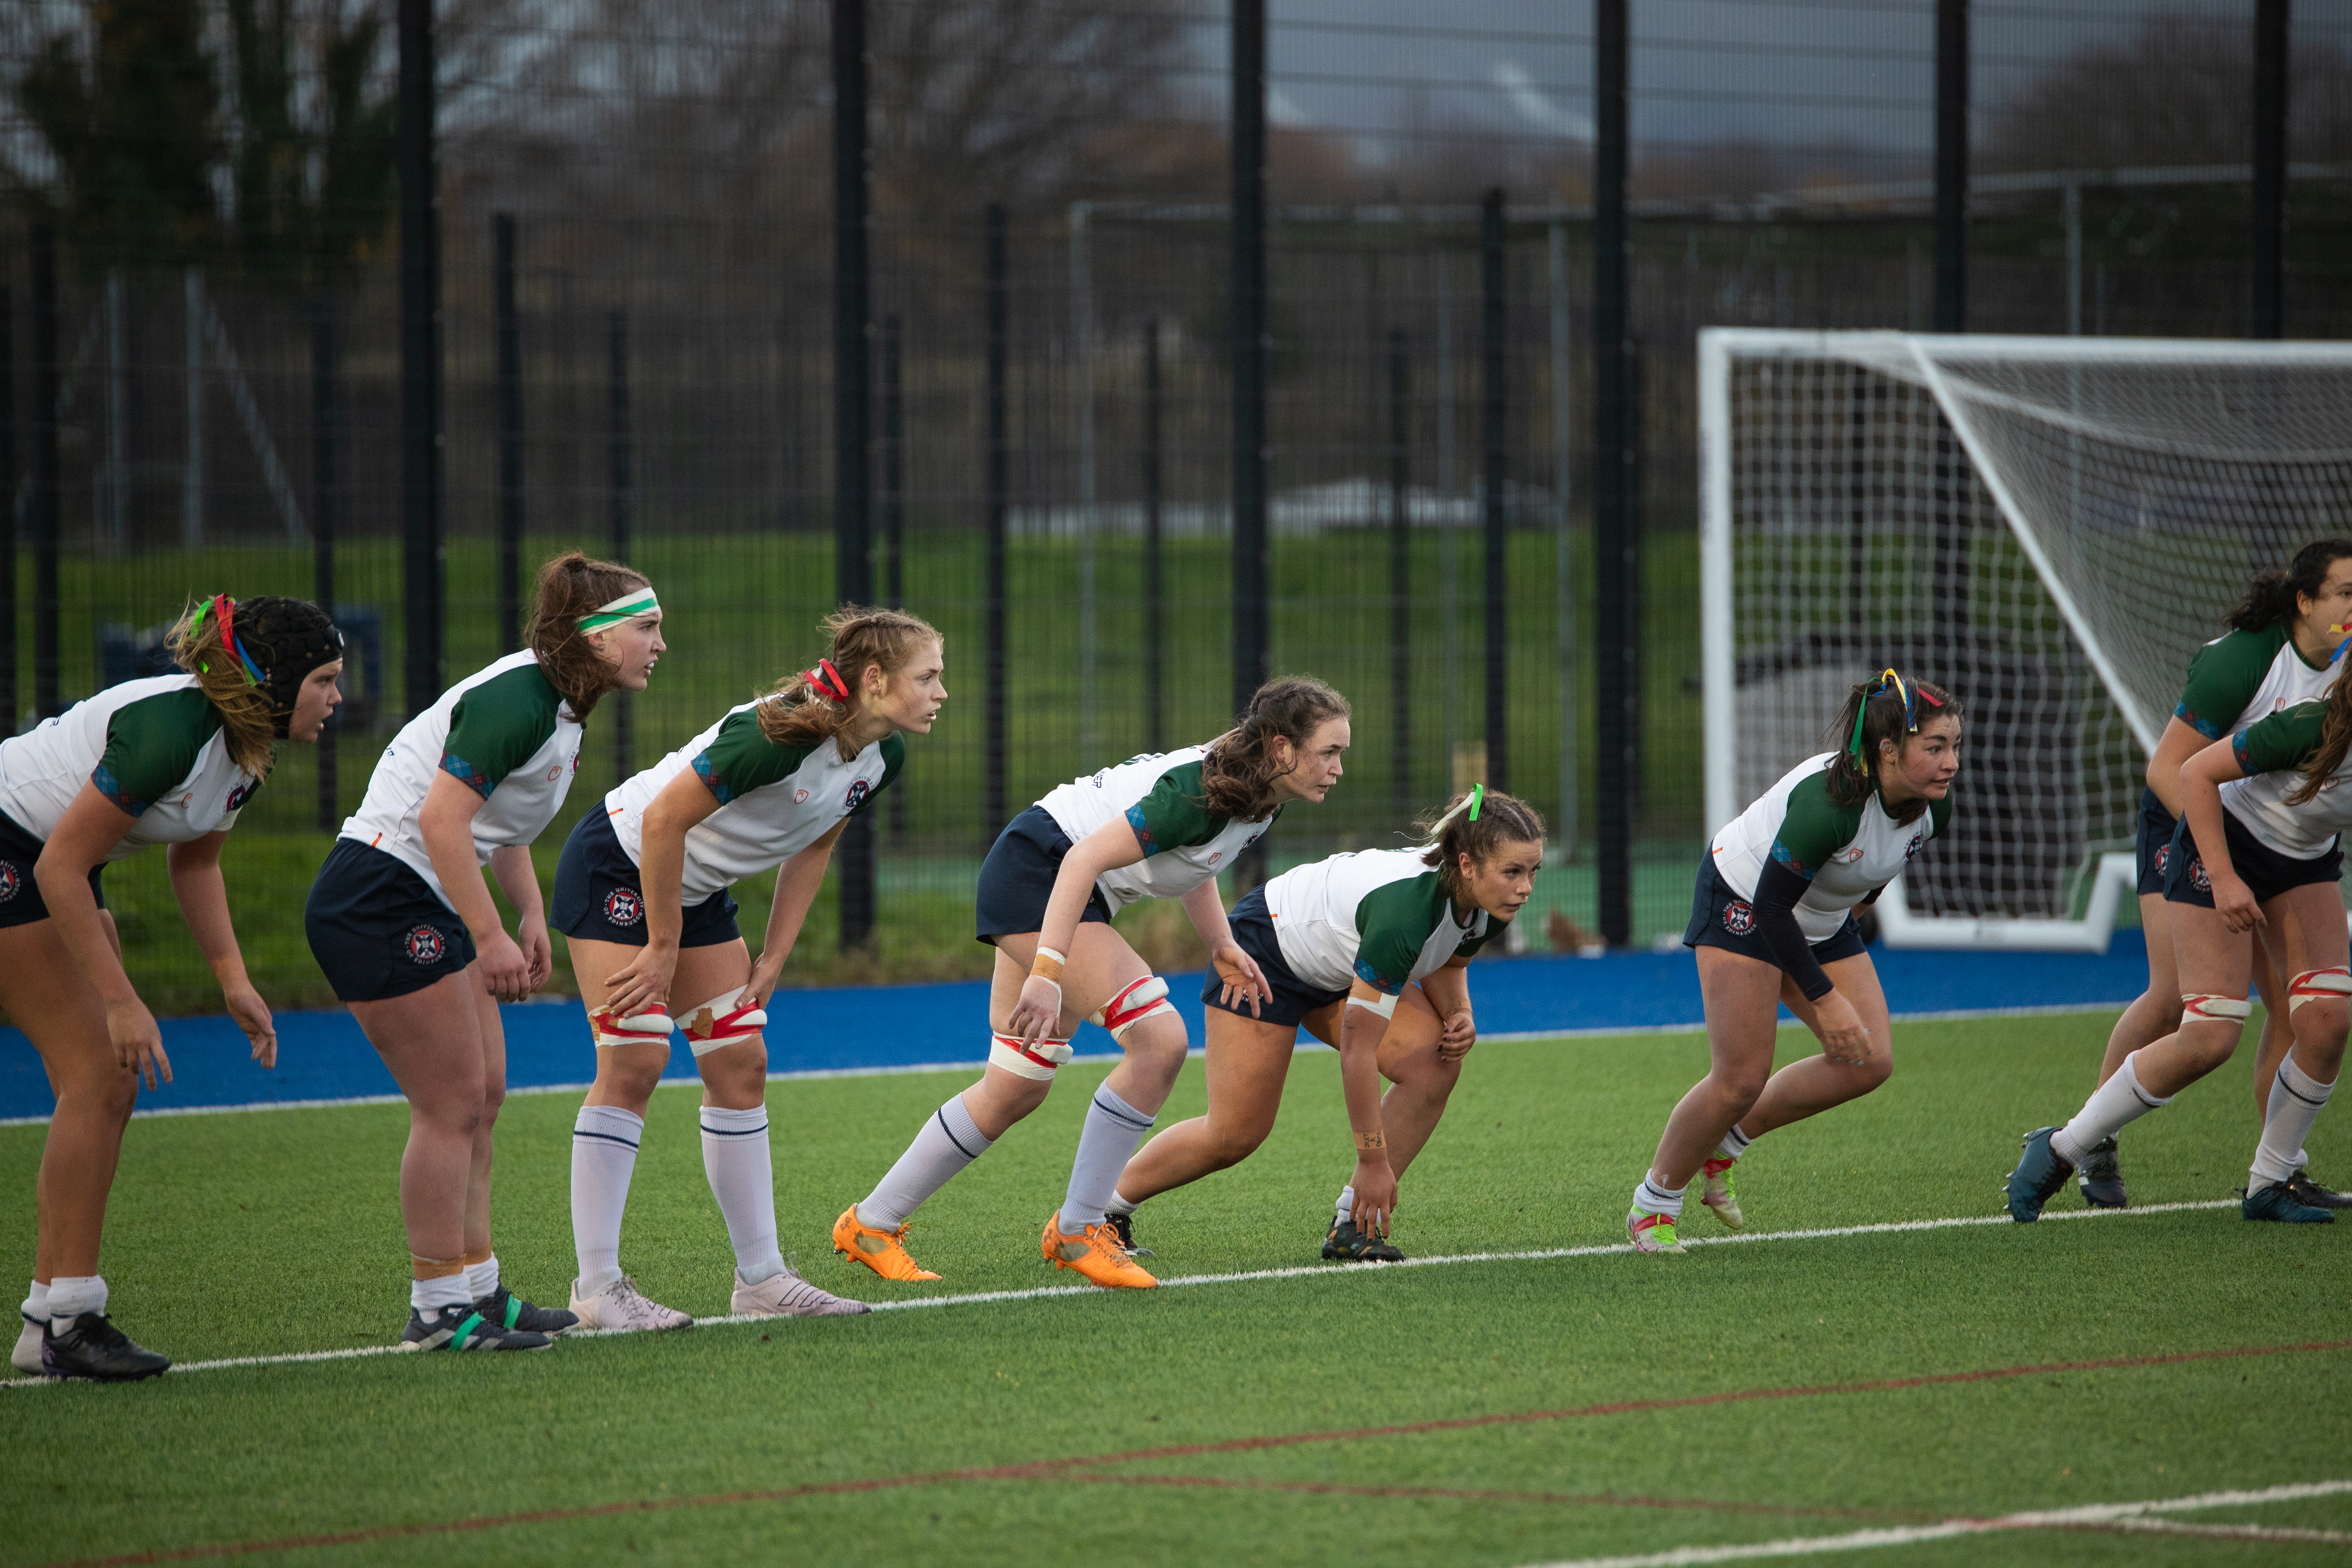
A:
{"points": [[2207, 1008], [2317, 985], [719, 1022], [638, 1029], [1039, 1062], [1385, 1007]]}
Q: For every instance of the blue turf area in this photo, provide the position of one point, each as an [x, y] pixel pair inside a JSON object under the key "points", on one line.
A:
{"points": [[322, 1056]]}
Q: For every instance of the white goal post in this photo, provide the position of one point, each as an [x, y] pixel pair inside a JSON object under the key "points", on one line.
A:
{"points": [[2048, 526]]}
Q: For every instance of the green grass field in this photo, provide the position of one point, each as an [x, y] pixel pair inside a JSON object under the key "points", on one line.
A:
{"points": [[1492, 1410]]}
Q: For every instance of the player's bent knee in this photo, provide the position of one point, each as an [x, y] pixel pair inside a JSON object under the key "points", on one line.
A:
{"points": [[1036, 1063], [1134, 1003], [651, 1028], [2329, 988], [714, 1025]]}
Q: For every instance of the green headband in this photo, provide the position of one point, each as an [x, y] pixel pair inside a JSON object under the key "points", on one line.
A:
{"points": [[628, 607]]}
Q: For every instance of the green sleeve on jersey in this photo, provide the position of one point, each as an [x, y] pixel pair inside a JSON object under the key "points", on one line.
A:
{"points": [[1393, 925], [151, 746], [740, 758], [894, 757], [1172, 816], [497, 726], [2223, 677], [1939, 815], [2284, 739], [1813, 828]]}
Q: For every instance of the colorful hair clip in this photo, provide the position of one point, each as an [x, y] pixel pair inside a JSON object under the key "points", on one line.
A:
{"points": [[827, 679], [1478, 794]]}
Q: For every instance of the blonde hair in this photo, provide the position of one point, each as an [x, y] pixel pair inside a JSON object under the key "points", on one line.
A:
{"points": [[198, 644], [800, 713]]}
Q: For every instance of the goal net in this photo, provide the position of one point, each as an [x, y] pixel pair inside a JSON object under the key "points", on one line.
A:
{"points": [[2048, 526]]}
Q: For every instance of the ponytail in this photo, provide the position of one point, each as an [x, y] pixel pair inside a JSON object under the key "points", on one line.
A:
{"points": [[2271, 597], [1237, 775], [571, 587], [814, 706], [2335, 743], [205, 643], [1477, 823], [1885, 707]]}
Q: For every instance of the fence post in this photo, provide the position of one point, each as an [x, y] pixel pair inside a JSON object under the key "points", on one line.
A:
{"points": [[422, 545], [1400, 581], [999, 480], [1563, 581], [852, 395], [511, 450], [1493, 433], [2267, 317], [11, 481], [1155, 736], [1253, 563], [326, 495], [1616, 543], [894, 481], [44, 514], [1951, 165], [622, 481]]}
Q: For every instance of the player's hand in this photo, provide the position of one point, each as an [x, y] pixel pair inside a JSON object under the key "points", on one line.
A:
{"points": [[2233, 900], [538, 952], [1461, 1033], [642, 985], [1038, 1014], [138, 1043], [1243, 980], [505, 969], [1376, 1192], [252, 1015], [757, 989], [1842, 1036]]}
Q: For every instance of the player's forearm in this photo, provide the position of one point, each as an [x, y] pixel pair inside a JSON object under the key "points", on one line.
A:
{"points": [[1206, 908], [661, 876], [796, 888], [518, 879], [203, 896], [1359, 1073]]}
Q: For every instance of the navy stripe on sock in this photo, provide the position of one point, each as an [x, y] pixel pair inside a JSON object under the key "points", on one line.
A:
{"points": [[941, 1116], [1116, 1114], [605, 1137], [734, 1131], [2298, 1093]]}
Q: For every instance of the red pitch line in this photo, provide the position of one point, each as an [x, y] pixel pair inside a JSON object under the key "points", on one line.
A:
{"points": [[1058, 1470], [1476, 1494]]}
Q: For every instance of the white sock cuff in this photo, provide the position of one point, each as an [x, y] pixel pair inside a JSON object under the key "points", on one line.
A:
{"points": [[37, 1300], [1347, 1204], [2130, 1075], [2301, 1084], [72, 1295], [1119, 1203], [609, 1122], [959, 1125], [482, 1277], [718, 1122], [1108, 1101]]}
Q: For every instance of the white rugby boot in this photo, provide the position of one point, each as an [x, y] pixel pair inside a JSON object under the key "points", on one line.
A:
{"points": [[787, 1295], [619, 1306]]}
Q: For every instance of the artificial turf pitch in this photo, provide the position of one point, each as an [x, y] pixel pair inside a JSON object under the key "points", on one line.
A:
{"points": [[1501, 1411]]}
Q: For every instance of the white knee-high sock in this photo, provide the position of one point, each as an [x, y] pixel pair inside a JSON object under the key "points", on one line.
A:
{"points": [[605, 1140], [2113, 1106], [2296, 1100], [1735, 1144], [1113, 1130], [71, 1295], [948, 1142], [743, 1178]]}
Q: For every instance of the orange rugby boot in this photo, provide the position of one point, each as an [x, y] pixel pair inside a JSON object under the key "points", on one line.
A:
{"points": [[1095, 1253], [882, 1251]]}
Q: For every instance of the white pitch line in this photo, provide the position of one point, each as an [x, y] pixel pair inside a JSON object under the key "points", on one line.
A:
{"points": [[2128, 1515], [1302, 1271]]}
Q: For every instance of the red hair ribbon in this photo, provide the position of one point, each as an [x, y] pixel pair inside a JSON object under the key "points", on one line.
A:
{"points": [[827, 679]]}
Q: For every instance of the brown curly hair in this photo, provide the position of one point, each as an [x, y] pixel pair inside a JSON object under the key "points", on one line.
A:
{"points": [[859, 637], [571, 585], [1450, 834], [1237, 775]]}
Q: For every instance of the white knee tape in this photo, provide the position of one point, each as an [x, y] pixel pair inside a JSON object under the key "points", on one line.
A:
{"points": [[719, 1022], [1039, 1062], [638, 1029], [1135, 1002], [2319, 985], [2210, 1009]]}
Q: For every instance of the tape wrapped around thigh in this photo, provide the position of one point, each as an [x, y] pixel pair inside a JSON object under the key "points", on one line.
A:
{"points": [[717, 1024], [647, 1028], [2319, 985], [1135, 1001], [1039, 1062]]}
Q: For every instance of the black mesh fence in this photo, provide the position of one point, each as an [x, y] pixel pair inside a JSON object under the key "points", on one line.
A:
{"points": [[217, 186]]}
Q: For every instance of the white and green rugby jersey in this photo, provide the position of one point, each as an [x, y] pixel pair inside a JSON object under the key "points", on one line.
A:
{"points": [[504, 732], [773, 801], [1846, 852], [2271, 753], [1184, 842], [153, 747], [2241, 677], [1381, 916]]}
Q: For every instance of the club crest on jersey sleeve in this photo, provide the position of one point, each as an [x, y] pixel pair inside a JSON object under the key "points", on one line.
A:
{"points": [[859, 790]]}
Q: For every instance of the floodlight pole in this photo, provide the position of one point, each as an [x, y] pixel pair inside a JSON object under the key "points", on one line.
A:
{"points": [[853, 394], [2267, 315], [999, 470], [511, 450], [1494, 405], [1951, 165], [1253, 561], [622, 477], [326, 501], [9, 481], [422, 544], [41, 523], [1616, 540]]}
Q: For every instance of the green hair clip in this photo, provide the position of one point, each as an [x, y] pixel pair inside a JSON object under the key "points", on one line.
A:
{"points": [[1477, 794]]}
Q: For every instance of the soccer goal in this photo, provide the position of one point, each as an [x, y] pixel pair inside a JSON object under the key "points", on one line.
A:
{"points": [[2048, 526]]}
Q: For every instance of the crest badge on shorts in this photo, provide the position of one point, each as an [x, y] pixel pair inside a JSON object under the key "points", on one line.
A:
{"points": [[1738, 918], [424, 946], [2197, 877], [623, 907], [11, 881], [2163, 858]]}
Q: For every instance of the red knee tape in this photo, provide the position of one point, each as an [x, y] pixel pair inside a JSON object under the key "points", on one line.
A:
{"points": [[1133, 1002]]}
